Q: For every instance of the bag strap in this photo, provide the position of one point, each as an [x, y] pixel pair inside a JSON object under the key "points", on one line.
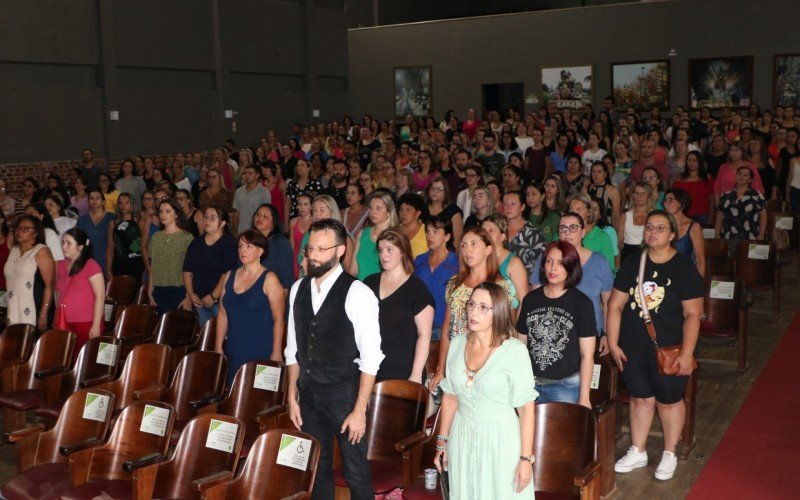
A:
{"points": [[648, 321]]}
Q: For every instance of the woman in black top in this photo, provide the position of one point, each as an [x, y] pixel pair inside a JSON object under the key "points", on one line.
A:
{"points": [[406, 310], [441, 205], [557, 323], [673, 290]]}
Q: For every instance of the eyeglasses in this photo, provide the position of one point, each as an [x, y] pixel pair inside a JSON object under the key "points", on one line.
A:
{"points": [[659, 229], [472, 176], [209, 218], [23, 229], [311, 250], [433, 189], [483, 308], [649, 178], [572, 228]]}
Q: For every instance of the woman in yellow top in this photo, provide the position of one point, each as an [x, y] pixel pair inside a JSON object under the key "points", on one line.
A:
{"points": [[412, 210], [110, 193]]}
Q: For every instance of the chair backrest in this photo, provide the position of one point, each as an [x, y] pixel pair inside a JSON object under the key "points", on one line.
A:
{"points": [[784, 220], [141, 295], [716, 247], [136, 433], [146, 366], [405, 405], [262, 477], [246, 401], [136, 321], [200, 375], [720, 312], [606, 387], [754, 271], [121, 289], [204, 449], [53, 350], [16, 342], [777, 205], [176, 328], [564, 442], [207, 336], [99, 357], [86, 414]]}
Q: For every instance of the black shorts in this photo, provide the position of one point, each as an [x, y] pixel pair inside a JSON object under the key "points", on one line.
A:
{"points": [[641, 376]]}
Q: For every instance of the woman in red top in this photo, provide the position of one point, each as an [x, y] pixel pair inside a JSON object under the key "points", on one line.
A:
{"points": [[276, 187], [696, 181], [726, 177], [80, 287], [471, 124]]}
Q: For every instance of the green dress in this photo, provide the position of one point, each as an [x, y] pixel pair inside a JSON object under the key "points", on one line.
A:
{"points": [[548, 225], [484, 446], [367, 256]]}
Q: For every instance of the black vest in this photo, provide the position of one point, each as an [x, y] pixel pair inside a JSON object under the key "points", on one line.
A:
{"points": [[326, 344]]}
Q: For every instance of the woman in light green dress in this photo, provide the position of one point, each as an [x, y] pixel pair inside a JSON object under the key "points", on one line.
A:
{"points": [[485, 446]]}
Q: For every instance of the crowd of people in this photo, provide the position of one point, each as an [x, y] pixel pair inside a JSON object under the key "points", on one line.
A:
{"points": [[524, 238]]}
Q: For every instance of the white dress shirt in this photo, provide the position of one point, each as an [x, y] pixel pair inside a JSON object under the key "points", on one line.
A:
{"points": [[361, 307]]}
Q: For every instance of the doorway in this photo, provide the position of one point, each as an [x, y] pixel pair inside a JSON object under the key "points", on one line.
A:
{"points": [[502, 96]]}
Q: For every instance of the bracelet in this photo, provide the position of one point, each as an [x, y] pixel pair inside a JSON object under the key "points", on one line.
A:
{"points": [[439, 437], [441, 447]]}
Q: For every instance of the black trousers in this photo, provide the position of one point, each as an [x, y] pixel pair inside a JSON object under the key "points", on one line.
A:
{"points": [[323, 411]]}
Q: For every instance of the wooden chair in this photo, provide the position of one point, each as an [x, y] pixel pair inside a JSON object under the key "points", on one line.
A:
{"points": [[565, 445], [43, 456], [176, 328], [207, 336], [262, 477], [120, 292], [258, 409], [604, 405], [23, 384], [198, 382], [417, 490], [393, 450], [58, 386], [16, 342], [146, 370], [193, 460], [141, 295], [135, 326], [759, 275], [718, 257], [785, 218], [777, 206], [107, 469], [725, 318]]}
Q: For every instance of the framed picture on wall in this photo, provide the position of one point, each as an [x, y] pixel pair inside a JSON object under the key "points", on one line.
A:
{"points": [[413, 91], [721, 82], [567, 86], [640, 85], [786, 80]]}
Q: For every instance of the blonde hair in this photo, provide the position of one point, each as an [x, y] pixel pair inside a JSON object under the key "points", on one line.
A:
{"points": [[333, 208], [388, 202]]}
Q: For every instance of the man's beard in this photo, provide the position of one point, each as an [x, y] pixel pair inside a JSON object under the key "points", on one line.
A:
{"points": [[318, 270], [338, 178]]}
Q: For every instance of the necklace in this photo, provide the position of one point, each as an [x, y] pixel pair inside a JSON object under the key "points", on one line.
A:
{"points": [[472, 373]]}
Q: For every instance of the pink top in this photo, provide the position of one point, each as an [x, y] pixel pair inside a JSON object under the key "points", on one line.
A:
{"points": [[726, 178], [75, 292]]}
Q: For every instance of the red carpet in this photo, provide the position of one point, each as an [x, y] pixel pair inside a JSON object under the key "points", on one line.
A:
{"points": [[759, 455]]}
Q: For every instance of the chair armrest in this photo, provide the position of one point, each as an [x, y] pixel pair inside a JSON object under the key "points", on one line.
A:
{"points": [[200, 403], [14, 436], [204, 483], [302, 495], [153, 392], [604, 407], [133, 338], [588, 474], [69, 449], [96, 381], [49, 373], [138, 463], [411, 441], [272, 411], [182, 343]]}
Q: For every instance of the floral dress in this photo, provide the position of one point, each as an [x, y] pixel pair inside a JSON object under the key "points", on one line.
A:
{"points": [[740, 216], [293, 190]]}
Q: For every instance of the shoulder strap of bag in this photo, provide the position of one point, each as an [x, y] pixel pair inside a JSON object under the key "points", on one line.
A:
{"points": [[648, 321]]}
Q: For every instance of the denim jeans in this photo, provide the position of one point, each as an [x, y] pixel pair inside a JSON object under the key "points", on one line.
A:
{"points": [[206, 313], [566, 390]]}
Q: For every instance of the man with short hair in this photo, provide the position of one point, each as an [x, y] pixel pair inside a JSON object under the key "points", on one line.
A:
{"points": [[490, 158], [337, 189], [333, 352], [247, 199], [647, 159], [456, 180], [91, 171]]}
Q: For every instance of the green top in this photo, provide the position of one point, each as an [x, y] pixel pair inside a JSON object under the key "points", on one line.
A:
{"points": [[548, 225], [166, 257], [598, 241], [367, 257]]}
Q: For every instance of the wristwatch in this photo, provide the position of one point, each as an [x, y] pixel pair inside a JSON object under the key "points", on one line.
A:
{"points": [[530, 459]]}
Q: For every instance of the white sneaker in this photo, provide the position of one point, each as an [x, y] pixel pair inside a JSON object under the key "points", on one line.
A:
{"points": [[666, 469], [631, 460]]}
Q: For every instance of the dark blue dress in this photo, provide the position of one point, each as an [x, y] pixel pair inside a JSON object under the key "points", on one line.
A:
{"points": [[249, 325]]}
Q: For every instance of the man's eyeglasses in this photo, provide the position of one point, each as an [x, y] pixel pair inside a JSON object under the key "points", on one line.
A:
{"points": [[312, 250], [572, 228], [483, 308]]}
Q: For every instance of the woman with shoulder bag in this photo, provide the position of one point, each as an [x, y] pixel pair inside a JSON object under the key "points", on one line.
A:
{"points": [[660, 293]]}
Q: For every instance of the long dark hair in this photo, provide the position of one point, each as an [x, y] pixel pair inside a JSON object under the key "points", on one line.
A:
{"points": [[180, 219], [81, 239], [701, 166], [46, 218], [275, 221], [545, 209]]}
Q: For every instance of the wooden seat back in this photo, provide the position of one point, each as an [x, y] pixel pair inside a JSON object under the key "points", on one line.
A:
{"points": [[135, 326], [207, 336], [200, 378], [141, 295], [52, 352], [192, 459], [402, 402], [606, 391], [127, 442], [120, 292], [246, 402], [16, 342], [777, 205], [564, 444], [176, 328], [146, 368], [755, 271], [262, 477], [72, 428], [722, 314], [87, 371], [786, 218]]}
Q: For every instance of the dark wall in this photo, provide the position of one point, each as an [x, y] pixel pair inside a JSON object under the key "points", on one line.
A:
{"points": [[170, 69], [467, 53]]}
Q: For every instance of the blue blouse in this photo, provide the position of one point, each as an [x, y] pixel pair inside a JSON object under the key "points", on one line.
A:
{"points": [[436, 281]]}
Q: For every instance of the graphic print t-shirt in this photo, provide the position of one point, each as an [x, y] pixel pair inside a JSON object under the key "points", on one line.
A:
{"points": [[553, 327]]}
